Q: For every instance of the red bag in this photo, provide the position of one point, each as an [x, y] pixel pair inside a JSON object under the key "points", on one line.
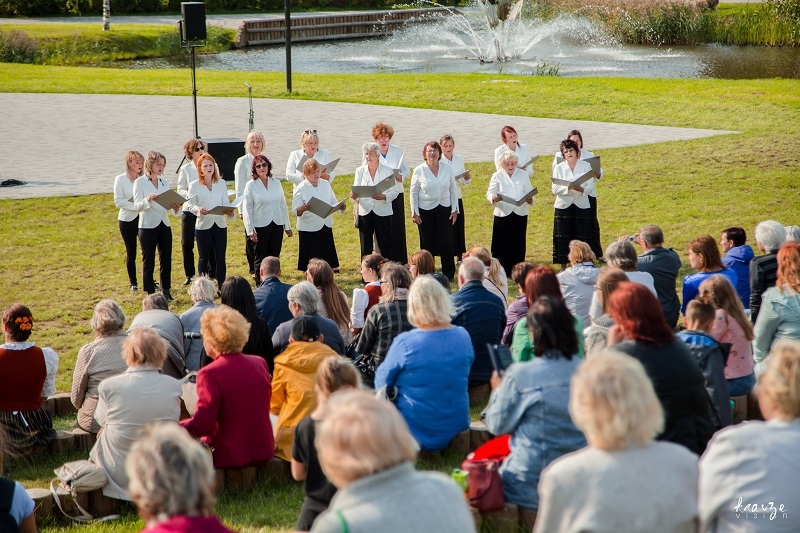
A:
{"points": [[482, 467]]}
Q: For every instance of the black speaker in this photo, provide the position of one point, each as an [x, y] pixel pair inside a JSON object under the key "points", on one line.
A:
{"points": [[193, 15], [225, 152]]}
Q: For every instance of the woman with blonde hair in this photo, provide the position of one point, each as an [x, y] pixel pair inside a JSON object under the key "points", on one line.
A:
{"points": [[431, 391], [128, 216], [366, 450], [496, 280], [577, 282], [172, 482], [757, 463], [731, 326], [309, 149], [613, 402], [704, 257], [332, 301], [333, 374]]}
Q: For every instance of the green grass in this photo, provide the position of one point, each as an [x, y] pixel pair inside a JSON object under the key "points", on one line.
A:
{"points": [[688, 188]]}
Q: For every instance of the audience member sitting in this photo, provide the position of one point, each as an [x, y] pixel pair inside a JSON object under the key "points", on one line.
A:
{"points": [[333, 374], [431, 390], [703, 257], [16, 507], [732, 326], [748, 475], [792, 233], [232, 394], [640, 331], [577, 282], [421, 263], [481, 314], [737, 257], [293, 384], [237, 294], [271, 301], [156, 315], [541, 281], [98, 360], [366, 450], [172, 482], [304, 300], [770, 236], [780, 306], [519, 307], [599, 488], [711, 356], [531, 402], [28, 377], [388, 318], [332, 301], [663, 264], [622, 255], [495, 280], [202, 294], [130, 401], [597, 334], [364, 299]]}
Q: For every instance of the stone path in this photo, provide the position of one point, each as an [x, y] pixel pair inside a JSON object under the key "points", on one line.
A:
{"points": [[68, 145]]}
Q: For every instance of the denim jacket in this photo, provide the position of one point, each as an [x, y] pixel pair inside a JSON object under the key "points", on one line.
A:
{"points": [[531, 405]]}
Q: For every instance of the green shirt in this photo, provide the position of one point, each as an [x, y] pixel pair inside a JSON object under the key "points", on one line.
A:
{"points": [[522, 345]]}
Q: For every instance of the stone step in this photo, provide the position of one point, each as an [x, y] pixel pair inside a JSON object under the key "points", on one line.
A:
{"points": [[61, 404], [43, 503], [63, 442], [83, 439]]}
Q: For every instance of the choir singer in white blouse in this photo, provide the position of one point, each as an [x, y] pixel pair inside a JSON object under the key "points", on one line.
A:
{"points": [[128, 215], [392, 156], [510, 142], [208, 192], [253, 146], [375, 212], [572, 218], [309, 142], [434, 206], [456, 163], [264, 213], [510, 223]]}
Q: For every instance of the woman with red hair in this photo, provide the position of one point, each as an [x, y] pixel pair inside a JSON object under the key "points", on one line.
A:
{"points": [[540, 281], [641, 331]]}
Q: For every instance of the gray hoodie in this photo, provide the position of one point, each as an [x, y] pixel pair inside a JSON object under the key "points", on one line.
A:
{"points": [[577, 286]]}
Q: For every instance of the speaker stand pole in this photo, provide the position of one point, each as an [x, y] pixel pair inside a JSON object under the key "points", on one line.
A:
{"points": [[194, 96]]}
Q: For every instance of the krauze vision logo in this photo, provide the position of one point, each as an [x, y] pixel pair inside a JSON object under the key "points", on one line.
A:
{"points": [[767, 510]]}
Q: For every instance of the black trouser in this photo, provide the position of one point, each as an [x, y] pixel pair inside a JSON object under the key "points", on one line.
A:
{"points": [[212, 242], [250, 253], [381, 227], [399, 250], [436, 236], [270, 243], [594, 240], [129, 232], [187, 245], [159, 238]]}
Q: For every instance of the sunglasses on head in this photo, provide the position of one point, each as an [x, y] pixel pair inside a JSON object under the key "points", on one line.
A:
{"points": [[310, 131]]}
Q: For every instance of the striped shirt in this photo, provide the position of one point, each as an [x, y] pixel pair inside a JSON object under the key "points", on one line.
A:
{"points": [[385, 321]]}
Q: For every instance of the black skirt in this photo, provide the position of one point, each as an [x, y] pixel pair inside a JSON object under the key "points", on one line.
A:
{"points": [[509, 235], [399, 248], [459, 237], [26, 429], [317, 245], [572, 223], [594, 241]]}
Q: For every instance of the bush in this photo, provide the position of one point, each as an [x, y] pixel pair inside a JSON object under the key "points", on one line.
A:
{"points": [[17, 47], [30, 8]]}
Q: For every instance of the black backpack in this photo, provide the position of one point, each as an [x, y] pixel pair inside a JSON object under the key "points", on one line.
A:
{"points": [[7, 522]]}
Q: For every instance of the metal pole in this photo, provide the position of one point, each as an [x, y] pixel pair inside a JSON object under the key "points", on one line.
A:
{"points": [[194, 96], [288, 24]]}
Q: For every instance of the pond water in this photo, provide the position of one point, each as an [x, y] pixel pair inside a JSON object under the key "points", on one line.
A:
{"points": [[571, 46]]}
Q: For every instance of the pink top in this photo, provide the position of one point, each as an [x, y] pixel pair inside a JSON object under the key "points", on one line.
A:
{"points": [[740, 361], [188, 524]]}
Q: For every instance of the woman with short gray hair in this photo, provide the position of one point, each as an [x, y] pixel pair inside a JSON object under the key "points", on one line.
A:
{"points": [[98, 360], [374, 213], [202, 293], [622, 255], [770, 236]]}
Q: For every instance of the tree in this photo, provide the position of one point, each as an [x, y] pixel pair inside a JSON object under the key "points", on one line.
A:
{"points": [[106, 15]]}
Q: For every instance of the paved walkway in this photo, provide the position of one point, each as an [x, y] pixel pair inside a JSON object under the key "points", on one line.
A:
{"points": [[68, 145]]}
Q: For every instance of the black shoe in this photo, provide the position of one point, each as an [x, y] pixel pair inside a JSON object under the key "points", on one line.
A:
{"points": [[134, 288], [187, 281], [168, 296]]}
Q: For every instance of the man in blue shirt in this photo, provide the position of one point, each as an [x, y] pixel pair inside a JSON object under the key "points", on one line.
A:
{"points": [[271, 301]]}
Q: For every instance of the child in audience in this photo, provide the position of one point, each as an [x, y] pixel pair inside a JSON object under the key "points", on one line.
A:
{"points": [[333, 374], [711, 356]]}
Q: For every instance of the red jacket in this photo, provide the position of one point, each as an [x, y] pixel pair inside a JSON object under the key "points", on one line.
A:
{"points": [[232, 416]]}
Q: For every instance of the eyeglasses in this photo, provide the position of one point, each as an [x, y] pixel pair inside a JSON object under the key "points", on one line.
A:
{"points": [[307, 132], [262, 165], [199, 148]]}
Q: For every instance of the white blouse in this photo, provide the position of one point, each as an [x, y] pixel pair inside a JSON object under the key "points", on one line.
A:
{"points": [[151, 214], [360, 303], [303, 193], [202, 197], [585, 154], [366, 205], [515, 186], [457, 166], [522, 152], [186, 176], [50, 363], [429, 191], [565, 197], [295, 176], [394, 159], [123, 198], [242, 172], [264, 205]]}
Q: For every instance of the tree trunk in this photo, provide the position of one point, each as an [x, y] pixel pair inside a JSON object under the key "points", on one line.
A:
{"points": [[106, 15]]}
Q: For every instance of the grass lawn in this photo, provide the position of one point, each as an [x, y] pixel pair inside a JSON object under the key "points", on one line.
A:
{"points": [[688, 188]]}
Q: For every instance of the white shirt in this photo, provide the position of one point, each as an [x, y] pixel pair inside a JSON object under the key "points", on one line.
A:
{"points": [[50, 363], [393, 159], [360, 303], [303, 193], [366, 204], [515, 186], [186, 176], [243, 173], [585, 154], [264, 205], [565, 196], [429, 191], [522, 152], [151, 214], [202, 197], [457, 166], [295, 176], [123, 198]]}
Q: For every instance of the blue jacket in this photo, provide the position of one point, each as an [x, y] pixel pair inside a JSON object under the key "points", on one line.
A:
{"points": [[482, 314], [430, 370], [738, 259], [712, 357], [271, 302], [691, 284]]}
